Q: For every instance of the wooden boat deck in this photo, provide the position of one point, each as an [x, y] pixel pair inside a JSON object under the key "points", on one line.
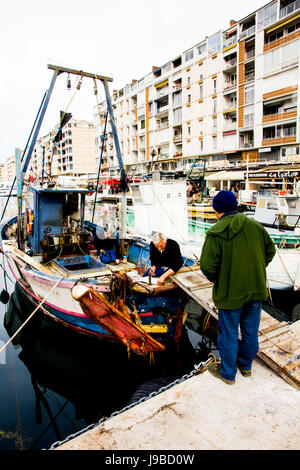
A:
{"points": [[279, 347]]}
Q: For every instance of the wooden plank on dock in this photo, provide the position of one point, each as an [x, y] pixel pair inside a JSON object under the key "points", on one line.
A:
{"points": [[279, 347]]}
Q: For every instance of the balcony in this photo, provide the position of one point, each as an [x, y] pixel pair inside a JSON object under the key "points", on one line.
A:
{"points": [[230, 63], [279, 140], [250, 54], [177, 138], [289, 9], [247, 145], [162, 110], [284, 65], [229, 125], [279, 116], [229, 42], [229, 85], [248, 32], [162, 92], [163, 125], [249, 77]]}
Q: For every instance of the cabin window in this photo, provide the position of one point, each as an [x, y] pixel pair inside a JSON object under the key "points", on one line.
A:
{"points": [[292, 204], [271, 204]]}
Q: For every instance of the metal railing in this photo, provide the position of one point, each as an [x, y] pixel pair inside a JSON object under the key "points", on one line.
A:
{"points": [[289, 9], [285, 64], [229, 42], [248, 32]]}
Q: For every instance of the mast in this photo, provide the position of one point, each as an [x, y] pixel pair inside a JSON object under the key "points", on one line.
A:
{"points": [[123, 177]]}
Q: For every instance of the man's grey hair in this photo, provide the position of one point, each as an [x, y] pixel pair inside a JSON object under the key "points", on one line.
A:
{"points": [[158, 237]]}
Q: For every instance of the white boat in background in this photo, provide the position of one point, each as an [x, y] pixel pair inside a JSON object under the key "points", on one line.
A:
{"points": [[5, 187], [280, 211]]}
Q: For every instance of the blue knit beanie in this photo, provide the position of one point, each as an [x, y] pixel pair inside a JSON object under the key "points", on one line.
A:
{"points": [[225, 201]]}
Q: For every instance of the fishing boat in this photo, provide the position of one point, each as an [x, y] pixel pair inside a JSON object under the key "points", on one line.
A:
{"points": [[49, 249]]}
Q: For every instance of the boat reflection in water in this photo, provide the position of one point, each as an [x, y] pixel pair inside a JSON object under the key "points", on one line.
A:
{"points": [[76, 379]]}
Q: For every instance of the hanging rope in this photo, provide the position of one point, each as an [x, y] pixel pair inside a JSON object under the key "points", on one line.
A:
{"points": [[31, 315]]}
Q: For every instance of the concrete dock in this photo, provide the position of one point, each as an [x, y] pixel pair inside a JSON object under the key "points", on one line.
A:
{"points": [[261, 412]]}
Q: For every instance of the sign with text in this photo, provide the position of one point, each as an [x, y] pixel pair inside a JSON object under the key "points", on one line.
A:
{"points": [[275, 174]]}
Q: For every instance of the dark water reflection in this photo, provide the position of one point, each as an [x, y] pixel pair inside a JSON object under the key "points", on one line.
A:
{"points": [[55, 382]]}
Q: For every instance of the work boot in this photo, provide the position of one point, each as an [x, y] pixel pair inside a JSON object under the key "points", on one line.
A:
{"points": [[244, 372], [215, 370]]}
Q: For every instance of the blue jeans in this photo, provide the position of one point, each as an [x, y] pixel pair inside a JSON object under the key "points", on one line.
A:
{"points": [[108, 257], [248, 317]]}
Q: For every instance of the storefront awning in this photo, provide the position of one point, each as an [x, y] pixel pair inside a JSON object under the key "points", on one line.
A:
{"points": [[226, 176]]}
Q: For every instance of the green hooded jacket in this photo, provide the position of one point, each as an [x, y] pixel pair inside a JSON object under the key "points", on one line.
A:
{"points": [[234, 257]]}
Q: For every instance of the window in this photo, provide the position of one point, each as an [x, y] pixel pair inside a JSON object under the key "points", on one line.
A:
{"points": [[201, 92], [189, 98], [201, 49], [177, 99], [249, 115], [214, 143], [249, 94], [189, 81], [289, 130], [215, 85], [274, 37], [189, 130], [177, 116], [214, 119], [281, 58], [214, 107], [189, 55], [266, 16], [293, 28], [214, 44]]}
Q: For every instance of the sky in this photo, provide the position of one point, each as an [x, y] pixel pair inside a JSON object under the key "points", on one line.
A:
{"points": [[122, 39]]}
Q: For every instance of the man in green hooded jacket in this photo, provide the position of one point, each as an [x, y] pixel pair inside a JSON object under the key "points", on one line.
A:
{"points": [[234, 257]]}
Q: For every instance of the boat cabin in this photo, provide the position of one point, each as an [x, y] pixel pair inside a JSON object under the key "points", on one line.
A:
{"points": [[54, 221], [279, 210]]}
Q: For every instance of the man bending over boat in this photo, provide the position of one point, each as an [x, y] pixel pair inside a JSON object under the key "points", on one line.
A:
{"points": [[165, 257], [107, 247]]}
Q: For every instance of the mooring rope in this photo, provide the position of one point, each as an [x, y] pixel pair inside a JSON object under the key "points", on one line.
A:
{"points": [[31, 315]]}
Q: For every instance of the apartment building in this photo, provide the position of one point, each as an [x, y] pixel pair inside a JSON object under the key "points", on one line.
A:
{"points": [[73, 155], [8, 170], [231, 98]]}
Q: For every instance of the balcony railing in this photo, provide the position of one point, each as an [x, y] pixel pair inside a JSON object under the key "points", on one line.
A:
{"points": [[289, 9], [248, 32], [229, 85], [250, 54], [162, 109], [285, 64], [247, 145], [163, 125], [229, 42], [231, 63], [229, 126], [249, 77], [279, 116]]}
